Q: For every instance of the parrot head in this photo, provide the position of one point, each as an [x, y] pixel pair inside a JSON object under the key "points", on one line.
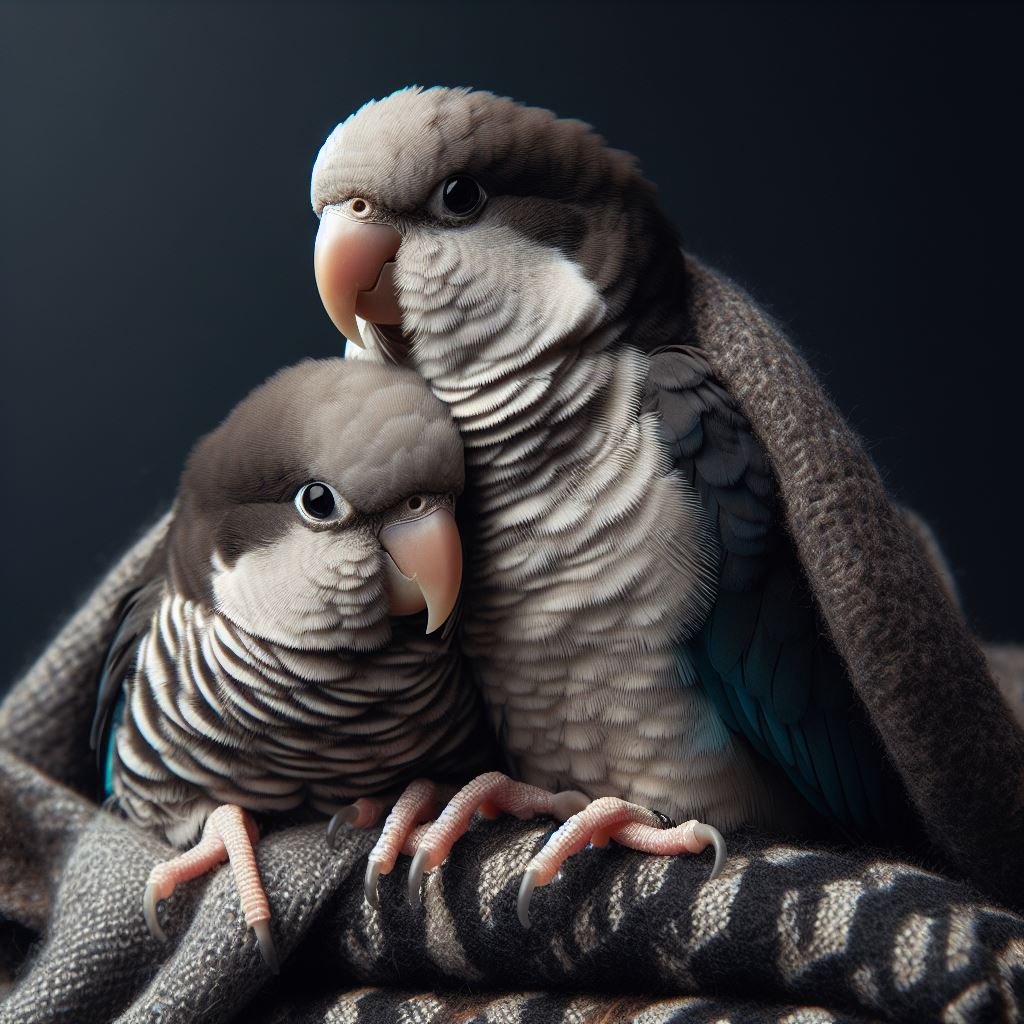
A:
{"points": [[323, 505], [475, 238]]}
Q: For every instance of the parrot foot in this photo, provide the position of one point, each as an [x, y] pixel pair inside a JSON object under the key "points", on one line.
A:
{"points": [[229, 834], [492, 794], [402, 829], [364, 813], [629, 825]]}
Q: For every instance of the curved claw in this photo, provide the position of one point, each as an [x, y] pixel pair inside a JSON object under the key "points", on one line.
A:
{"points": [[266, 944], [526, 887], [346, 816], [419, 864], [149, 911], [370, 883], [710, 835]]}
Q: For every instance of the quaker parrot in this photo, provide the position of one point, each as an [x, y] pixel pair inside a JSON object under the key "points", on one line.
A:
{"points": [[635, 612], [260, 668]]}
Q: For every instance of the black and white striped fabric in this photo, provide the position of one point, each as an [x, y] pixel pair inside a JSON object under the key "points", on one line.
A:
{"points": [[784, 934]]}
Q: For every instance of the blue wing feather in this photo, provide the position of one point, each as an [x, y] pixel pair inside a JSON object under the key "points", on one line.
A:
{"points": [[111, 738], [132, 621], [778, 732], [730, 629], [763, 656]]}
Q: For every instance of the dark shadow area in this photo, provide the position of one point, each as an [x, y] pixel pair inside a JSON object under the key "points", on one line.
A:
{"points": [[857, 167]]}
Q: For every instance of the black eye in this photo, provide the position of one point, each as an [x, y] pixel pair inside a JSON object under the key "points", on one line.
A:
{"points": [[317, 500], [320, 503], [461, 195]]}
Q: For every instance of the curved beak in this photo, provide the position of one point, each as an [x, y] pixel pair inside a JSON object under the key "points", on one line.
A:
{"points": [[425, 569], [353, 272]]}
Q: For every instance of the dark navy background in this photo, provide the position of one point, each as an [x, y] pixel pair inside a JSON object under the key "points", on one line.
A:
{"points": [[857, 167]]}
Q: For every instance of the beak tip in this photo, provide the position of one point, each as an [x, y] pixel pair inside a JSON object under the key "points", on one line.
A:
{"points": [[355, 335], [427, 553]]}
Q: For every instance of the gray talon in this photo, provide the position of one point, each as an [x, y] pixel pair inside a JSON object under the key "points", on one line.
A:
{"points": [[266, 944], [416, 877], [370, 883], [526, 887], [346, 816], [710, 834], [149, 902]]}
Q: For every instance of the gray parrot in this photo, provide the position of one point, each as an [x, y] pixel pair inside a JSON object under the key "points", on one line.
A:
{"points": [[273, 660], [636, 615]]}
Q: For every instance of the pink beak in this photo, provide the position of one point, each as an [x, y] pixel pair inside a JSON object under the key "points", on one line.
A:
{"points": [[425, 569], [354, 265]]}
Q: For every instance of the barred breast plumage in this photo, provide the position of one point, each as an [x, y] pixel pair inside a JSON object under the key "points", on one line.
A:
{"points": [[274, 658], [216, 715], [639, 617]]}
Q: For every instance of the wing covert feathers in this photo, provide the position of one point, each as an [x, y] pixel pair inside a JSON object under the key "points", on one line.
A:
{"points": [[764, 656], [133, 621]]}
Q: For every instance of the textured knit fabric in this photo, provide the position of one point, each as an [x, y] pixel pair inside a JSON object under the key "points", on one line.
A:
{"points": [[782, 928], [1006, 662], [785, 934], [41, 718], [914, 664]]}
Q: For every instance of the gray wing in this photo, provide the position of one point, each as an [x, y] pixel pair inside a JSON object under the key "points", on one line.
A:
{"points": [[764, 656], [133, 621]]}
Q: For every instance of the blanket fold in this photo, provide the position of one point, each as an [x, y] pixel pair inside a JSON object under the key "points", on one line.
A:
{"points": [[909, 652], [860, 937], [785, 934]]}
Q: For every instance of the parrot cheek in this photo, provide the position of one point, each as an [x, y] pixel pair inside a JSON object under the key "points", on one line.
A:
{"points": [[307, 590], [482, 303]]}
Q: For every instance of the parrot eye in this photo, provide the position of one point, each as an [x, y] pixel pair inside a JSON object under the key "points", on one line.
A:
{"points": [[461, 195], [320, 503]]}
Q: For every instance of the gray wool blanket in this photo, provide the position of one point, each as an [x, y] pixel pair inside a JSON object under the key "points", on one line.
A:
{"points": [[786, 933]]}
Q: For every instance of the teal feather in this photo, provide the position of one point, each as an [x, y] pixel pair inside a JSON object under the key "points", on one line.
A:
{"points": [[804, 766], [849, 774], [779, 732], [764, 657], [746, 703], [731, 628], [791, 680], [108, 772], [711, 683], [819, 744]]}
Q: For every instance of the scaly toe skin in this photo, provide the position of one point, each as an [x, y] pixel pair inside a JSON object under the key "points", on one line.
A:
{"points": [[629, 825], [401, 831], [229, 834], [166, 877], [689, 837], [491, 794]]}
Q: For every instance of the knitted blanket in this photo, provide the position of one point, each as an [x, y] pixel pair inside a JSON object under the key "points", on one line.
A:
{"points": [[784, 934]]}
